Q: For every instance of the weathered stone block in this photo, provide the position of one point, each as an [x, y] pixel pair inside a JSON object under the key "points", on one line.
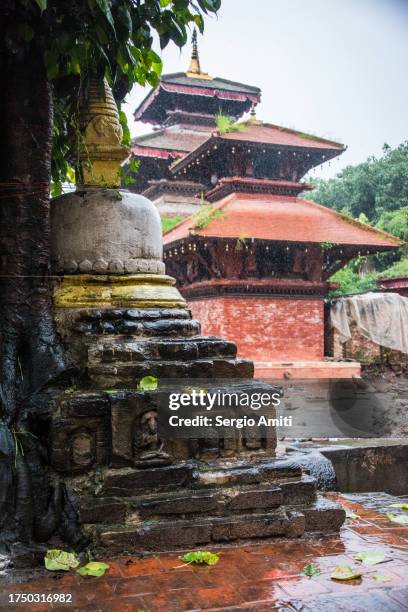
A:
{"points": [[106, 510], [185, 504], [129, 481], [299, 492], [266, 498], [324, 516], [252, 526]]}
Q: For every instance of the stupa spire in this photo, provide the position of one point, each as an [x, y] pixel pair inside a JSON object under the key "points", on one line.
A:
{"points": [[101, 150], [194, 70]]}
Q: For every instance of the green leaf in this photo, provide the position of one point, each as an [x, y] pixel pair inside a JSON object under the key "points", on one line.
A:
{"points": [[402, 506], [105, 8], [164, 3], [199, 21], [201, 557], [401, 519], [125, 127], [382, 578], [310, 570], [93, 568], [351, 515], [56, 560], [345, 572], [370, 558], [148, 383], [42, 4]]}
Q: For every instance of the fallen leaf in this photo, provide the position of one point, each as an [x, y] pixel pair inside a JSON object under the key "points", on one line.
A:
{"points": [[370, 558], [382, 578], [201, 557], [351, 515], [93, 568], [401, 519], [402, 506], [310, 570], [345, 572], [56, 560], [148, 383]]}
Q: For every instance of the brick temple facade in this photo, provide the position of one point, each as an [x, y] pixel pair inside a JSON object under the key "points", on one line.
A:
{"points": [[255, 263]]}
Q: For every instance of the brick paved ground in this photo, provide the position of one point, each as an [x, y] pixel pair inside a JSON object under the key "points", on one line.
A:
{"points": [[253, 577]]}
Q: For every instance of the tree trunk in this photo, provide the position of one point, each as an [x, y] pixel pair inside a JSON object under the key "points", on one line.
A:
{"points": [[30, 353]]}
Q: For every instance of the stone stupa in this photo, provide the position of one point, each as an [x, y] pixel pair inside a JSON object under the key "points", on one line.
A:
{"points": [[121, 318]]}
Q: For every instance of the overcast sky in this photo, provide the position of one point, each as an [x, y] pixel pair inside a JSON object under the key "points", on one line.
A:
{"points": [[336, 68]]}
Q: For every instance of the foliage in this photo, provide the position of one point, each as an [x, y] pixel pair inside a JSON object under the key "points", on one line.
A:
{"points": [[370, 557], [401, 506], [110, 38], [345, 572], [382, 578], [93, 568], [129, 171], [373, 187], [227, 124], [351, 281], [148, 383], [201, 557], [58, 560], [310, 570], [401, 519], [205, 215], [169, 222], [326, 246], [374, 192], [351, 515], [400, 268]]}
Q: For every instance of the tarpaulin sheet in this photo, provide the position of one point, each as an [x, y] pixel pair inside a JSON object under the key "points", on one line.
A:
{"points": [[380, 317]]}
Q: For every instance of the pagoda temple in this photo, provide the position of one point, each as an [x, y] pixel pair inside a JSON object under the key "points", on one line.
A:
{"points": [[182, 110], [255, 262]]}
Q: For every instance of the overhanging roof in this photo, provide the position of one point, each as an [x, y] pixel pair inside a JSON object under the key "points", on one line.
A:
{"points": [[153, 107], [283, 219], [267, 136]]}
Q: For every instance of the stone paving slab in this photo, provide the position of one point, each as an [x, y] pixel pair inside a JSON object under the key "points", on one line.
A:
{"points": [[255, 577]]}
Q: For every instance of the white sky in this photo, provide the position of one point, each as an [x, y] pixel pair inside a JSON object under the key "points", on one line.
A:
{"points": [[336, 68]]}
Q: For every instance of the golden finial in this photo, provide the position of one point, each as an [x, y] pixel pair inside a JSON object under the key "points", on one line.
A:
{"points": [[194, 70], [100, 149], [252, 118]]}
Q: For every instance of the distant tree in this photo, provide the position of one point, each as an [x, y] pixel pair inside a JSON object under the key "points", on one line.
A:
{"points": [[48, 50], [374, 187], [375, 192]]}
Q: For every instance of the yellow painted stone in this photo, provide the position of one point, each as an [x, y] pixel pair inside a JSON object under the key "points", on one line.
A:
{"points": [[131, 291]]}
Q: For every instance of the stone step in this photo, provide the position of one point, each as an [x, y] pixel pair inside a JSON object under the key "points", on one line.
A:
{"points": [[125, 482], [128, 481], [173, 534], [324, 516], [272, 471], [167, 326], [121, 374], [123, 349], [187, 502]]}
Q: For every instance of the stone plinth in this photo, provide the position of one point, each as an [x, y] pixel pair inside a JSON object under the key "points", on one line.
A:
{"points": [[121, 319]]}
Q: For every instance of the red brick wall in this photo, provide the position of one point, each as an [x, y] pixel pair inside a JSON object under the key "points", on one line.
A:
{"points": [[265, 329]]}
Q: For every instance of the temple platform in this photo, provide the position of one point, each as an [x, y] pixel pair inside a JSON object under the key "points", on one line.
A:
{"points": [[307, 369]]}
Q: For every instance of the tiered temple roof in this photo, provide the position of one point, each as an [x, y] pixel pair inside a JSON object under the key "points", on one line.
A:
{"points": [[253, 180], [183, 109]]}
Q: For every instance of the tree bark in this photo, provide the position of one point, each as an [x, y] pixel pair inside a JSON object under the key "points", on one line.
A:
{"points": [[30, 352]]}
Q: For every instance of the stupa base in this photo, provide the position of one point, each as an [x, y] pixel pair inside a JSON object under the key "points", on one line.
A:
{"points": [[195, 504]]}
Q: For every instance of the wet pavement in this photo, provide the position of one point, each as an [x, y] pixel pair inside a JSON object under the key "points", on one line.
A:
{"points": [[251, 577]]}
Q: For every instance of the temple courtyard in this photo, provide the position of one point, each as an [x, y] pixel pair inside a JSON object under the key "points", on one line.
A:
{"points": [[262, 576]]}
